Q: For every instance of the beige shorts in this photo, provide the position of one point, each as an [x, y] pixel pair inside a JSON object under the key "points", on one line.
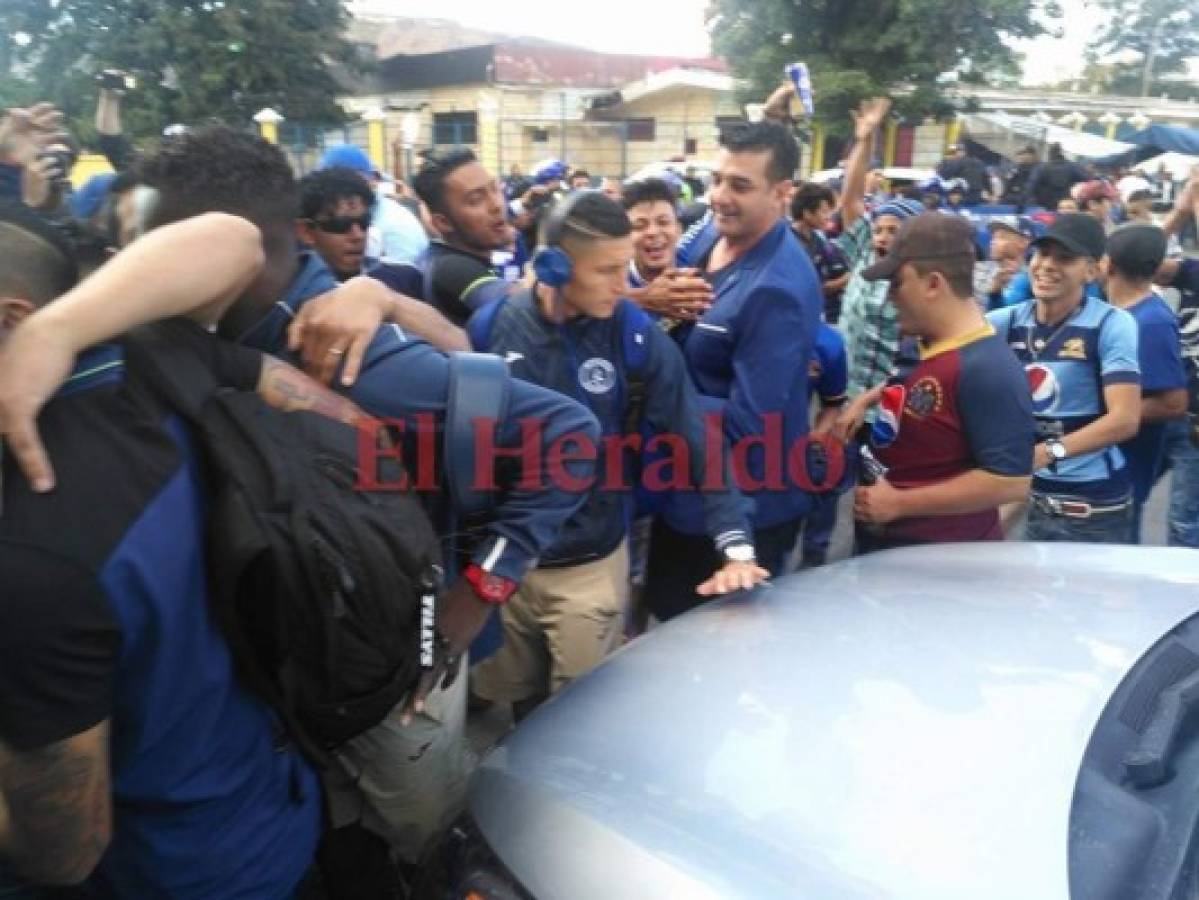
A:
{"points": [[406, 782], [559, 624]]}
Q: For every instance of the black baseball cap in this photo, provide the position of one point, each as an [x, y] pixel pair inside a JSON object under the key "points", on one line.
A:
{"points": [[1137, 250], [1079, 233], [930, 235]]}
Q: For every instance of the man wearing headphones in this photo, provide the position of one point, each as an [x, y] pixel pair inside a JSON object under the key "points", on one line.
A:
{"points": [[572, 332]]}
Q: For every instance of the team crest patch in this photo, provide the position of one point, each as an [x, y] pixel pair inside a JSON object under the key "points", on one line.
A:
{"points": [[597, 376], [924, 397], [1074, 348], [1044, 386]]}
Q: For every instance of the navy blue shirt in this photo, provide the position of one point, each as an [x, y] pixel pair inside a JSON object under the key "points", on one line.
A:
{"points": [[749, 357], [403, 378], [583, 358], [104, 615], [1159, 350]]}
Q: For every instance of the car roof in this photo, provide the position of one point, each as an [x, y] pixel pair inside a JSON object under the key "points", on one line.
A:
{"points": [[907, 724]]}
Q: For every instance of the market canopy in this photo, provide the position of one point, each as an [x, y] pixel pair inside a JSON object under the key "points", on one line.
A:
{"points": [[1154, 141], [1005, 134]]}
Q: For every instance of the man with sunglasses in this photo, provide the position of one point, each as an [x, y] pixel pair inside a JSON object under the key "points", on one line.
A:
{"points": [[965, 440], [335, 216]]}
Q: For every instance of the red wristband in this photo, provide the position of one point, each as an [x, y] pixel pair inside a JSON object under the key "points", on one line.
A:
{"points": [[488, 587]]}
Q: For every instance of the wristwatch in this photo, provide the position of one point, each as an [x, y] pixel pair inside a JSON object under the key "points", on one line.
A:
{"points": [[739, 553], [1057, 452], [489, 587]]}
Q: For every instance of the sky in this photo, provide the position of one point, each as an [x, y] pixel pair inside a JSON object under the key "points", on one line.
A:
{"points": [[676, 27]]}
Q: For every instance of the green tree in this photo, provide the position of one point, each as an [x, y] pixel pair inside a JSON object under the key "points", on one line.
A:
{"points": [[860, 48], [193, 59], [1145, 42]]}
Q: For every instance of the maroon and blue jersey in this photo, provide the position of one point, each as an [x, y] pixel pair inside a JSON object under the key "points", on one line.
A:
{"points": [[968, 407]]}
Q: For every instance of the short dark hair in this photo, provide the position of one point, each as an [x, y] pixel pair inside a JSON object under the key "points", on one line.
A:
{"points": [[808, 198], [585, 216], [770, 136], [957, 270], [646, 190], [36, 260], [580, 173], [219, 169], [429, 182], [323, 188]]}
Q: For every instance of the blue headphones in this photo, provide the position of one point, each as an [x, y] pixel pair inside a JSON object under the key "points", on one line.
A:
{"points": [[551, 264]]}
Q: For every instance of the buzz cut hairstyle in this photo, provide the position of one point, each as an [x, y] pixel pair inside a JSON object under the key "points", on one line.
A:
{"points": [[588, 216], [958, 271], [647, 190], [37, 263], [429, 182], [325, 188], [220, 169], [765, 136]]}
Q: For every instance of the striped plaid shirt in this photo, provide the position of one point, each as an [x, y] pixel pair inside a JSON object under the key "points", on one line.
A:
{"points": [[870, 323]]}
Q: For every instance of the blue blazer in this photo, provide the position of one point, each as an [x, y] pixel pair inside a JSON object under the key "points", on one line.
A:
{"points": [[748, 356]]}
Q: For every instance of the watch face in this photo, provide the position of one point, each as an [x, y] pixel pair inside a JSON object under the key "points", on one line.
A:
{"points": [[1057, 450], [739, 553]]}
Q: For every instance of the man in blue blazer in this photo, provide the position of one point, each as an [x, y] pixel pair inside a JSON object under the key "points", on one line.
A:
{"points": [[748, 356]]}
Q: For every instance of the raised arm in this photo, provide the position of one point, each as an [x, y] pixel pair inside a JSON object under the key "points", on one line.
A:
{"points": [[853, 192], [195, 268]]}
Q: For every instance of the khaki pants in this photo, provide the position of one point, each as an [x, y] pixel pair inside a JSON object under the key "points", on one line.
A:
{"points": [[406, 782], [558, 625]]}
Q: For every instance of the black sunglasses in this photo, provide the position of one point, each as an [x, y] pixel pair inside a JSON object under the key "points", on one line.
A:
{"points": [[342, 224]]}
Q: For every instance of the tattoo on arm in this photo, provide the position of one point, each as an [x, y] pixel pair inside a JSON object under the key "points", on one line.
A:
{"points": [[287, 388], [59, 807]]}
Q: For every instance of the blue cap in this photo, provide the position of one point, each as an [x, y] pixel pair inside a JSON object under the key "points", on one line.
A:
{"points": [[549, 171], [348, 156], [901, 208], [86, 201], [1021, 225]]}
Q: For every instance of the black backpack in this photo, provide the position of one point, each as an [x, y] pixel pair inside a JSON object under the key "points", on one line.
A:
{"points": [[321, 589]]}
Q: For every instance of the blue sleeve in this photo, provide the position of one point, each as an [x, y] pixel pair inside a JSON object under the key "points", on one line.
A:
{"points": [[402, 378], [10, 182], [673, 407], [776, 336], [403, 278], [1118, 361], [484, 290], [995, 407], [834, 366], [1160, 355], [1018, 289], [1001, 319]]}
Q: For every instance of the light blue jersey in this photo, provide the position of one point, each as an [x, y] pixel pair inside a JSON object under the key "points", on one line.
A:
{"points": [[1068, 365]]}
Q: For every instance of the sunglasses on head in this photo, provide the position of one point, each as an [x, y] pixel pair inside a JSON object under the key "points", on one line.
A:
{"points": [[342, 224]]}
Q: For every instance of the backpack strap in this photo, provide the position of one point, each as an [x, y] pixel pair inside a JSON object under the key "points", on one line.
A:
{"points": [[634, 325], [478, 390], [481, 325], [176, 374]]}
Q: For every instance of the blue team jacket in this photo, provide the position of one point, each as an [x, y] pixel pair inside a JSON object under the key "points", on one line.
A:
{"points": [[748, 356]]}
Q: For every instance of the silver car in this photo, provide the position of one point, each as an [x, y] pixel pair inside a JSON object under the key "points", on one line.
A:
{"points": [[1002, 721]]}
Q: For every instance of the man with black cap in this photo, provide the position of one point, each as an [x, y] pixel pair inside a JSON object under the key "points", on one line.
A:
{"points": [[960, 164], [1134, 254], [965, 445], [1080, 355]]}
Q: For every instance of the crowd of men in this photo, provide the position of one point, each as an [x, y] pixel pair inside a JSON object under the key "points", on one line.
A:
{"points": [[692, 376]]}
